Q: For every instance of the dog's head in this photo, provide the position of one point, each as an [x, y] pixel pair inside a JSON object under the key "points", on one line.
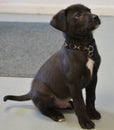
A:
{"points": [[75, 20]]}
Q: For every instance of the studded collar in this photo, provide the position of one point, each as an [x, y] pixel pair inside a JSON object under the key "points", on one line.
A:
{"points": [[89, 49]]}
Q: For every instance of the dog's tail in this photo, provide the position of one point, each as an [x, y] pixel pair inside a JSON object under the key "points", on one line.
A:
{"points": [[25, 97]]}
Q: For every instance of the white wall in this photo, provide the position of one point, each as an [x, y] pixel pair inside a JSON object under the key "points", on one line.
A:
{"points": [[98, 2], [102, 7]]}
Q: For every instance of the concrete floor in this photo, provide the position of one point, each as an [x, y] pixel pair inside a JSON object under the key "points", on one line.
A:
{"points": [[23, 115]]}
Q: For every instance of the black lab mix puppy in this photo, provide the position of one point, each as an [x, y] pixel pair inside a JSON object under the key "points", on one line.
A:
{"points": [[59, 82]]}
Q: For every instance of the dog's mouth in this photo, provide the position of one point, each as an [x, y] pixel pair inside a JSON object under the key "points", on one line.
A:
{"points": [[97, 21], [94, 24], [97, 26]]}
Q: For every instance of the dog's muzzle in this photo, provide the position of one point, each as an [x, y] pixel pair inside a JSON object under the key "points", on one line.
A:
{"points": [[96, 19]]}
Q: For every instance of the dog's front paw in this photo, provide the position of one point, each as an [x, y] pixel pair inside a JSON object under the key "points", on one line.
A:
{"points": [[86, 123], [93, 114]]}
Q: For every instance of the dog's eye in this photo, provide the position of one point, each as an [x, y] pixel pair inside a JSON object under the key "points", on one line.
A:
{"points": [[77, 15]]}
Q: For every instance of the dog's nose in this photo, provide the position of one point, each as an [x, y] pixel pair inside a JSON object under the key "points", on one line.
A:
{"points": [[95, 17]]}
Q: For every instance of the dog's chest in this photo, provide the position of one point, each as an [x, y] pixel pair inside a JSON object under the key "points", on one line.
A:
{"points": [[90, 65]]}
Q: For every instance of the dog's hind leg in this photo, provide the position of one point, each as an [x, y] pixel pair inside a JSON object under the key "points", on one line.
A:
{"points": [[47, 107], [43, 99], [51, 112]]}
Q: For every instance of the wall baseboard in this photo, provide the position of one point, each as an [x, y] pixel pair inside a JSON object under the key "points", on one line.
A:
{"points": [[50, 9]]}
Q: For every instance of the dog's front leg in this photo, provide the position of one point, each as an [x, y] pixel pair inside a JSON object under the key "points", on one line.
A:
{"points": [[90, 99], [79, 106]]}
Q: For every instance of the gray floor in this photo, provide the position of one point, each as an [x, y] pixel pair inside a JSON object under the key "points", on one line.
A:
{"points": [[21, 116], [25, 46]]}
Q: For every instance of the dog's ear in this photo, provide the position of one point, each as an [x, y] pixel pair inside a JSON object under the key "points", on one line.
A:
{"points": [[59, 21]]}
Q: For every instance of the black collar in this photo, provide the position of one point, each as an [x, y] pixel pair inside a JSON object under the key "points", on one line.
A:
{"points": [[89, 49]]}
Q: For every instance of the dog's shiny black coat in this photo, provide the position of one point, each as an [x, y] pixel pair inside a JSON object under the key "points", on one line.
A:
{"points": [[65, 74]]}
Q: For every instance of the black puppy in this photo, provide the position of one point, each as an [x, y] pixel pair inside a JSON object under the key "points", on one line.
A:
{"points": [[69, 70]]}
